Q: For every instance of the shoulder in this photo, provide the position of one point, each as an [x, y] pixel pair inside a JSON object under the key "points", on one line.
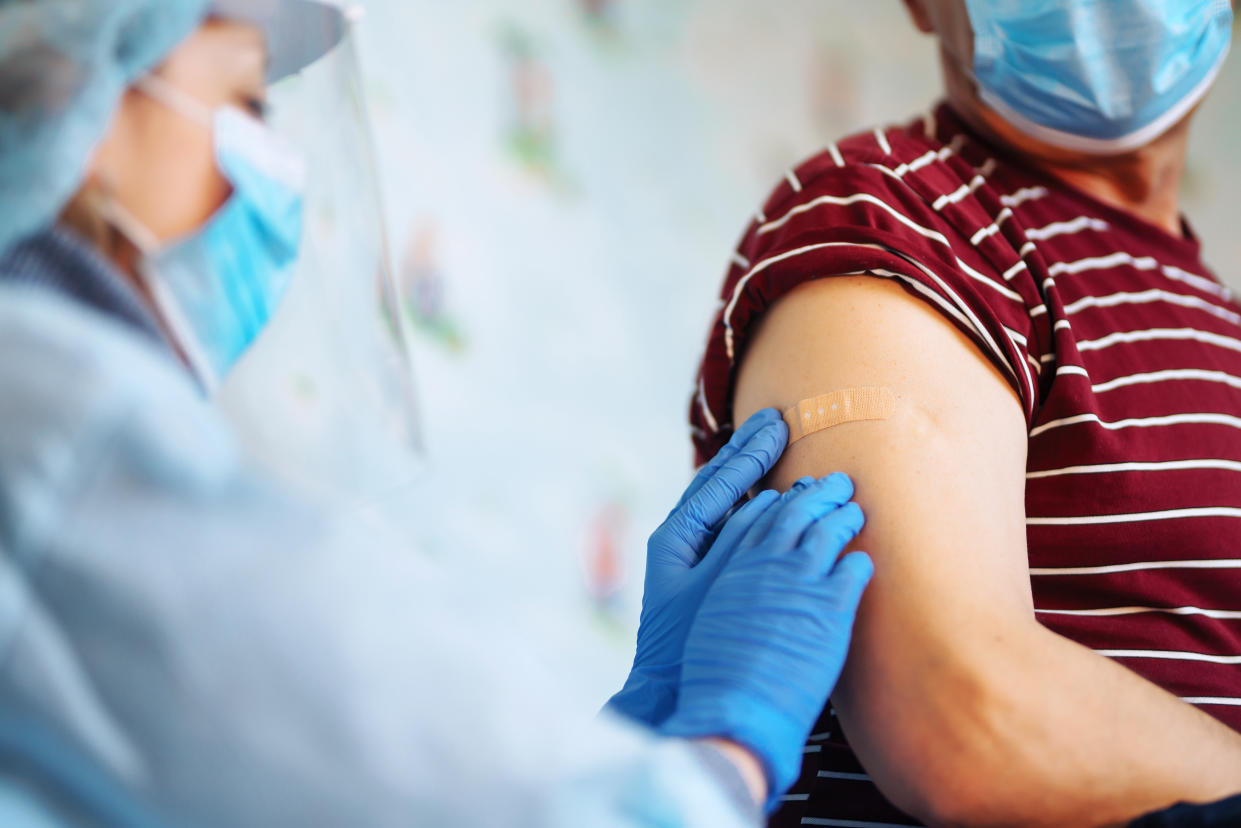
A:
{"points": [[82, 390], [907, 168], [906, 204], [857, 332]]}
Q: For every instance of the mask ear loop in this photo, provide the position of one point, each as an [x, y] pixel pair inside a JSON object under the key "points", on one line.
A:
{"points": [[180, 102], [176, 324], [148, 244]]}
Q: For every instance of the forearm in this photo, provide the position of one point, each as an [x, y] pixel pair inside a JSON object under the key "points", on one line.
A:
{"points": [[1042, 732]]}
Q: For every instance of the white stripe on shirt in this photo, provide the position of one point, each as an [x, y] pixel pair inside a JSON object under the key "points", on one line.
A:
{"points": [[1202, 283], [993, 228], [1176, 655], [1110, 611], [1103, 263], [1143, 263], [705, 408], [1169, 376], [1014, 270], [851, 777], [883, 141], [739, 289], [834, 151], [925, 232], [1065, 228], [848, 201], [1014, 338], [1113, 468], [1023, 195], [744, 280], [1155, 334], [1220, 563], [960, 193], [914, 165], [1205, 418], [1153, 295], [1137, 517]]}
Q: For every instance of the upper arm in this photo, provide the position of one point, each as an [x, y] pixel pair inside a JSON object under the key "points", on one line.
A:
{"points": [[942, 484]]}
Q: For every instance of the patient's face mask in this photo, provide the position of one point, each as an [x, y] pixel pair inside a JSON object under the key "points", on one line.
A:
{"points": [[218, 288], [1097, 76]]}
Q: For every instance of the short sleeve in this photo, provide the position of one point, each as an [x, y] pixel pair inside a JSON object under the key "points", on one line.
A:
{"points": [[926, 229]]}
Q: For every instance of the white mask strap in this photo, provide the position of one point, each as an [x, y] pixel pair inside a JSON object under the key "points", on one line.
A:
{"points": [[175, 323], [167, 94], [130, 226]]}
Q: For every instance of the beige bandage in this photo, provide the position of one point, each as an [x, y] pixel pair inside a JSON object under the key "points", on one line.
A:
{"points": [[848, 406]]}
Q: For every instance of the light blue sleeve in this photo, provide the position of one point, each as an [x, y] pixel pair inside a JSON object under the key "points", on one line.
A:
{"points": [[235, 658], [21, 807]]}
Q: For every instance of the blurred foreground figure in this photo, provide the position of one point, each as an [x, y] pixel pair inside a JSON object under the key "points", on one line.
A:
{"points": [[187, 644]]}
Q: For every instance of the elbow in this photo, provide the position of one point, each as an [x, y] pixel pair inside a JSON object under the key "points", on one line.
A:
{"points": [[949, 790], [957, 766], [961, 803]]}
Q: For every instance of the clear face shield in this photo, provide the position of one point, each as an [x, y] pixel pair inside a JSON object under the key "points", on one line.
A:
{"points": [[325, 399]]}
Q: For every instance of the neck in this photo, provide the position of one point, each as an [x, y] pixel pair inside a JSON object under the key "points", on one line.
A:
{"points": [[1146, 182]]}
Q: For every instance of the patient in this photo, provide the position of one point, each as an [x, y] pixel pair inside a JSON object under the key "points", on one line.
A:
{"points": [[1054, 634]]}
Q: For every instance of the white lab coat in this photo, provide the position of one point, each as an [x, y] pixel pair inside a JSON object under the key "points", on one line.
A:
{"points": [[234, 658]]}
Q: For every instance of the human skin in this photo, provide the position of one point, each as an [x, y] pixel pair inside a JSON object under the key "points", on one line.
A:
{"points": [[160, 166], [1145, 182], [961, 706]]}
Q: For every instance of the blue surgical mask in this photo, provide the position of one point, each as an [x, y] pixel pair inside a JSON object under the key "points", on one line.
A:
{"points": [[1097, 76], [217, 288]]}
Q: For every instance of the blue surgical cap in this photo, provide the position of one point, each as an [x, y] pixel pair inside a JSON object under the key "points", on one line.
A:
{"points": [[64, 65]]}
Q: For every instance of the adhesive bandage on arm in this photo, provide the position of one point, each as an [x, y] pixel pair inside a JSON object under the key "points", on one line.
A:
{"points": [[837, 408]]}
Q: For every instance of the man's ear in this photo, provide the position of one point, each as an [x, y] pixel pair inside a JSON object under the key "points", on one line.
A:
{"points": [[921, 18]]}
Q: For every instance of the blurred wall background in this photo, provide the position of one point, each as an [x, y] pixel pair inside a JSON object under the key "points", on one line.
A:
{"points": [[564, 180]]}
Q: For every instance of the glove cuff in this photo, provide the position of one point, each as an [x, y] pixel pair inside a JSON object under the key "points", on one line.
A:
{"points": [[775, 740], [645, 699]]}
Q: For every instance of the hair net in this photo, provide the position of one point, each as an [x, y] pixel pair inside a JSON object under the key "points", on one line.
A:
{"points": [[63, 67]]}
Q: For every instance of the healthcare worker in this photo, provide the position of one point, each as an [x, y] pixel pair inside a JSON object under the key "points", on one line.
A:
{"points": [[183, 642]]}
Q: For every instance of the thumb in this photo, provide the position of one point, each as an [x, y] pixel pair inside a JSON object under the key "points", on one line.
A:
{"points": [[737, 528]]}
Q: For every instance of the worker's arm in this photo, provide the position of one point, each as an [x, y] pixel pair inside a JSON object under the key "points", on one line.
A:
{"points": [[961, 706]]}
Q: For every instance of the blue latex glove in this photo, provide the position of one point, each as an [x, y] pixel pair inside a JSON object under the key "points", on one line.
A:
{"points": [[678, 570], [771, 636]]}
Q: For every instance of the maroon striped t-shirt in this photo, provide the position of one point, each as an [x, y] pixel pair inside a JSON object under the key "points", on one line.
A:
{"points": [[1125, 353]]}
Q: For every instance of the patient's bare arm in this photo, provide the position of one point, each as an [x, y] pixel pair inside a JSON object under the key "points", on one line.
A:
{"points": [[962, 707]]}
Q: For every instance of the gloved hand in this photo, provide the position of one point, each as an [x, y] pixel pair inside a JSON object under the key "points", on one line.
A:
{"points": [[679, 570], [771, 636]]}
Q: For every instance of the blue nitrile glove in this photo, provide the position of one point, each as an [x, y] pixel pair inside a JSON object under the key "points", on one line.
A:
{"points": [[676, 581], [771, 636]]}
